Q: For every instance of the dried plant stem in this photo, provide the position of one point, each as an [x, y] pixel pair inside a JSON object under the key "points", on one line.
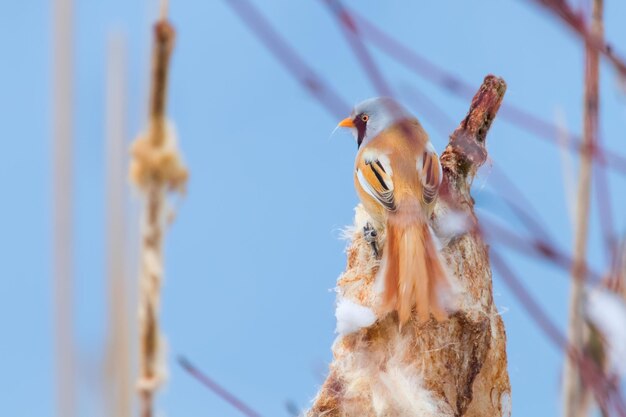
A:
{"points": [[118, 361], [573, 390], [65, 352], [454, 368], [156, 169], [149, 293]]}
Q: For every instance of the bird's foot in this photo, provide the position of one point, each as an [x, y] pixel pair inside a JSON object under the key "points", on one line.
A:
{"points": [[370, 234]]}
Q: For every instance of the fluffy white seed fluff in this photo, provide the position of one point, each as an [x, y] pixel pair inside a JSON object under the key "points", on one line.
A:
{"points": [[505, 404], [398, 390], [352, 316], [607, 312], [450, 225]]}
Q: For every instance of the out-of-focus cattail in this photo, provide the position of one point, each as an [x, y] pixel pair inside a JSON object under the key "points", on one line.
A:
{"points": [[156, 169]]}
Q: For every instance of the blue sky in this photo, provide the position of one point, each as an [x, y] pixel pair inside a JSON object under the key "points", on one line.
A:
{"points": [[254, 252]]}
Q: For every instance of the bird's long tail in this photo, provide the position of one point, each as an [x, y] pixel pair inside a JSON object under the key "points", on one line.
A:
{"points": [[413, 272]]}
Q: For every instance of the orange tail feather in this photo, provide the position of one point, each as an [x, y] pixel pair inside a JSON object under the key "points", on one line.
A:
{"points": [[413, 273]]}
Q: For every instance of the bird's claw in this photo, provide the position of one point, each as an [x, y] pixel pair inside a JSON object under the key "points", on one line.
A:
{"points": [[370, 234]]}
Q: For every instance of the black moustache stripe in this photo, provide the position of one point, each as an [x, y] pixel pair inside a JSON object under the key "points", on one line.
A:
{"points": [[360, 128]]}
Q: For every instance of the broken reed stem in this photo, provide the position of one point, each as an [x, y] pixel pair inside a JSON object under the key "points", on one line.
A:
{"points": [[573, 390], [456, 367], [156, 168], [63, 243]]}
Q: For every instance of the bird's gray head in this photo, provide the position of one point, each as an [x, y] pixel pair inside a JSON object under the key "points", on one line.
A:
{"points": [[372, 116]]}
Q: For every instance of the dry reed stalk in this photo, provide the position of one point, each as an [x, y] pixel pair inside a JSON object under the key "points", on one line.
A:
{"points": [[118, 360], [454, 368], [63, 242], [598, 345], [156, 168], [573, 390]]}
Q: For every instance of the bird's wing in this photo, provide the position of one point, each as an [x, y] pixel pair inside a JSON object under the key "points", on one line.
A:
{"points": [[374, 175], [429, 170]]}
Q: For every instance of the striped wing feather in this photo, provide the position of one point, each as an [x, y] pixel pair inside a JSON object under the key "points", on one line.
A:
{"points": [[375, 180], [430, 174]]}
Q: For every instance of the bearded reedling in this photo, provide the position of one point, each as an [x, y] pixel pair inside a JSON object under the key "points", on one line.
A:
{"points": [[397, 177]]}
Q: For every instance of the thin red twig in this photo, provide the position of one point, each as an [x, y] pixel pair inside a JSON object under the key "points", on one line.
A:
{"points": [[330, 99], [359, 48], [220, 391], [453, 84], [292, 62], [576, 22], [378, 81], [311, 81], [269, 36], [509, 112], [535, 247], [594, 378], [519, 204], [335, 104], [528, 301]]}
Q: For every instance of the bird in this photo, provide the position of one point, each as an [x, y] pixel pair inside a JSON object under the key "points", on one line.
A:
{"points": [[397, 175]]}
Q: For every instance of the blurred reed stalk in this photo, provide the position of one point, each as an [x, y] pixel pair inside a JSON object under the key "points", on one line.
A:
{"points": [[573, 389], [118, 368], [63, 242], [156, 168]]}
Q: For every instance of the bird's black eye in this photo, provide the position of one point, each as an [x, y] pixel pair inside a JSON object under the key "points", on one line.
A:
{"points": [[364, 118]]}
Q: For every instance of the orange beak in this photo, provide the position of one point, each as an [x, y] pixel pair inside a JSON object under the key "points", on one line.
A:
{"points": [[347, 122]]}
